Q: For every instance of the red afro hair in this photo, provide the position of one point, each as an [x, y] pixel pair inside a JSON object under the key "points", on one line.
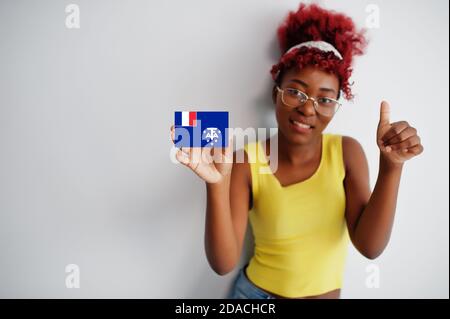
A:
{"points": [[313, 23]]}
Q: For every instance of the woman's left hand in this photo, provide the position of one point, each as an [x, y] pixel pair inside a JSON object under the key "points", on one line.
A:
{"points": [[398, 141]]}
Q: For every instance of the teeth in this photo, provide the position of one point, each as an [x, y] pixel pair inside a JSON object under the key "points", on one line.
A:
{"points": [[301, 124]]}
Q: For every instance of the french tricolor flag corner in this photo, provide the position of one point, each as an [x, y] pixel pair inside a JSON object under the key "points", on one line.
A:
{"points": [[186, 118]]}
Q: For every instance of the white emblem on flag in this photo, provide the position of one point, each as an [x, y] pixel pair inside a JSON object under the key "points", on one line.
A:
{"points": [[212, 135]]}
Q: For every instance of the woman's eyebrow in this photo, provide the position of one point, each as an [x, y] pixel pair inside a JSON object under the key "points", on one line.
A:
{"points": [[299, 82], [323, 89], [327, 90]]}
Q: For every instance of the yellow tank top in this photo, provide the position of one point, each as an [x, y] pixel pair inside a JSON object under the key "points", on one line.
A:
{"points": [[300, 233]]}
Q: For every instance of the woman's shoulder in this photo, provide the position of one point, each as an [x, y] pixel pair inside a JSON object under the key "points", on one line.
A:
{"points": [[350, 144], [241, 166], [347, 142], [352, 150]]}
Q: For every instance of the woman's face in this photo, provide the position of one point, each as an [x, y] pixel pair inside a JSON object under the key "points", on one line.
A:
{"points": [[315, 83]]}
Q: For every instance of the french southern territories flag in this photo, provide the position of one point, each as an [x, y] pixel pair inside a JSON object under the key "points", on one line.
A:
{"points": [[200, 129]]}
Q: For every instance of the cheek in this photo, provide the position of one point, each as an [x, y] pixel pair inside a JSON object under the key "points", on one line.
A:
{"points": [[322, 123], [281, 115]]}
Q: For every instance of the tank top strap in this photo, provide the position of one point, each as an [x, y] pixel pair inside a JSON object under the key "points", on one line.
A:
{"points": [[257, 161], [334, 155]]}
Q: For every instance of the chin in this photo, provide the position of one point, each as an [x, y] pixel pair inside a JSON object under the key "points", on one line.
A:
{"points": [[294, 136]]}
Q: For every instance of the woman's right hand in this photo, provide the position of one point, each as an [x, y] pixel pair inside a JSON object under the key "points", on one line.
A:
{"points": [[212, 164]]}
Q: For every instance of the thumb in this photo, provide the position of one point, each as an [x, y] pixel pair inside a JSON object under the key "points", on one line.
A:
{"points": [[229, 149], [385, 111]]}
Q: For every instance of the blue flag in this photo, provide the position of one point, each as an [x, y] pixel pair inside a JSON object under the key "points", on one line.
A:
{"points": [[200, 129]]}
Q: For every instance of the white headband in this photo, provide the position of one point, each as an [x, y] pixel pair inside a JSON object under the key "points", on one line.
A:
{"points": [[321, 45]]}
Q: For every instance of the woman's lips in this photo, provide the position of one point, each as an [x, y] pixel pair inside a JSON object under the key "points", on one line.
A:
{"points": [[300, 127]]}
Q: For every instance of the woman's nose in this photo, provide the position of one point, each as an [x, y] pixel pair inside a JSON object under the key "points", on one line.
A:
{"points": [[307, 108]]}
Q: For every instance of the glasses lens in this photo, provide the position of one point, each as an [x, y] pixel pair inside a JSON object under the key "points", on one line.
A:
{"points": [[294, 97], [327, 106]]}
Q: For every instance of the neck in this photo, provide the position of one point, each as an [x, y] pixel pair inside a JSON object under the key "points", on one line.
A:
{"points": [[298, 153]]}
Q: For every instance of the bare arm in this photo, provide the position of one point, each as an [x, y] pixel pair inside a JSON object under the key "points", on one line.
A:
{"points": [[226, 218], [228, 191], [370, 216]]}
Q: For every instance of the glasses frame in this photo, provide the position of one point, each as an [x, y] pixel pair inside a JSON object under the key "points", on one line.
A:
{"points": [[315, 103]]}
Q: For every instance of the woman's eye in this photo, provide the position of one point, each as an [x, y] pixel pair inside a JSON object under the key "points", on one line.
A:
{"points": [[293, 92], [325, 100], [297, 94]]}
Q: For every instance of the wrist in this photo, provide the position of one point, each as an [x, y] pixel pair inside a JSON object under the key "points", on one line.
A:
{"points": [[223, 182], [388, 165]]}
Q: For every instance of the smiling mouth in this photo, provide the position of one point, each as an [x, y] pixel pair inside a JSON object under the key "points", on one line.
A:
{"points": [[300, 124]]}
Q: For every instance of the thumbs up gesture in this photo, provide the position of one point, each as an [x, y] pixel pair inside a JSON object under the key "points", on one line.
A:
{"points": [[398, 141]]}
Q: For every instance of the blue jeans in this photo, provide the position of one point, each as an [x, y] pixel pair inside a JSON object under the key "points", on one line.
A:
{"points": [[243, 288]]}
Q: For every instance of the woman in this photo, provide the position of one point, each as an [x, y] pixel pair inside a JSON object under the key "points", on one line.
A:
{"points": [[304, 214]]}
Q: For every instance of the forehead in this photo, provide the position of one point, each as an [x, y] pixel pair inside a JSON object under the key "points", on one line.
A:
{"points": [[312, 76]]}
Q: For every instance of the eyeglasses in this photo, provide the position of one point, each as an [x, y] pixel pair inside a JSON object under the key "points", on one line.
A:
{"points": [[325, 106]]}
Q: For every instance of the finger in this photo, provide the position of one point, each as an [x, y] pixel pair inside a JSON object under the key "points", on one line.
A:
{"points": [[403, 135], [172, 133], [228, 149], [228, 155], [207, 154], [196, 155], [182, 157], [385, 112], [396, 129], [416, 149], [193, 153], [186, 150], [409, 142], [217, 155]]}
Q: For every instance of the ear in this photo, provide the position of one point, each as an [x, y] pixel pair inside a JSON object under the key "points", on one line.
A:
{"points": [[274, 94]]}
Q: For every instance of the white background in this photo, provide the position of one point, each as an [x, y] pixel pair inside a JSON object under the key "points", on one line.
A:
{"points": [[85, 174]]}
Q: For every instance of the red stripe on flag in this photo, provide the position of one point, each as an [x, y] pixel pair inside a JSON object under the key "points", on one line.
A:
{"points": [[192, 118]]}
